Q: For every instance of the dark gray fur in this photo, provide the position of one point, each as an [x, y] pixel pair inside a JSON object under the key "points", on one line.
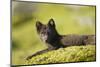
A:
{"points": [[53, 40]]}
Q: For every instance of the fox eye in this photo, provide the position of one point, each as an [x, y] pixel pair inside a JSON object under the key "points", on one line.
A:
{"points": [[42, 32], [45, 28]]}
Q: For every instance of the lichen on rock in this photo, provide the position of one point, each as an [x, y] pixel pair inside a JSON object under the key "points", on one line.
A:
{"points": [[68, 54]]}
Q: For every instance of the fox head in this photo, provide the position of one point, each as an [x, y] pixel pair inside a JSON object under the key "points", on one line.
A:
{"points": [[47, 32]]}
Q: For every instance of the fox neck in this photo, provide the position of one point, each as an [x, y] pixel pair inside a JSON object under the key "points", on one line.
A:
{"points": [[54, 36], [54, 40]]}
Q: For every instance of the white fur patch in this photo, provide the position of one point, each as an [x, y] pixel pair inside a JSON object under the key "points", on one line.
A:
{"points": [[43, 37]]}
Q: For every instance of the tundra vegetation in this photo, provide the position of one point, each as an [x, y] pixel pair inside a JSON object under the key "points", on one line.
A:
{"points": [[69, 54]]}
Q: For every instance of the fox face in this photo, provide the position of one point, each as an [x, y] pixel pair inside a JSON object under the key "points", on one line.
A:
{"points": [[46, 31]]}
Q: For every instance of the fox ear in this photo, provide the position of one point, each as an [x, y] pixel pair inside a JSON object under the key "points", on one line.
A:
{"points": [[51, 22], [38, 25]]}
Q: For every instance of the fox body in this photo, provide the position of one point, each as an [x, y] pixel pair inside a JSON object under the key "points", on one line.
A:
{"points": [[54, 40]]}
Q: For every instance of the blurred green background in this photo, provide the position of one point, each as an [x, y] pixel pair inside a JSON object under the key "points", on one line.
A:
{"points": [[69, 19]]}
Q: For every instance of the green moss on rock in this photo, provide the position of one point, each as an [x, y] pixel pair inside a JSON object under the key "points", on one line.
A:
{"points": [[68, 54]]}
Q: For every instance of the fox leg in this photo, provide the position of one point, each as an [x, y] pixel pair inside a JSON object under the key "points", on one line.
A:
{"points": [[39, 52]]}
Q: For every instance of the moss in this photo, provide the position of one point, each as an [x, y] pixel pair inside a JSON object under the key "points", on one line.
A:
{"points": [[68, 54]]}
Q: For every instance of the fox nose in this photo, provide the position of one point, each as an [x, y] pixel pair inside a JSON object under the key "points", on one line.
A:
{"points": [[42, 35], [44, 32]]}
